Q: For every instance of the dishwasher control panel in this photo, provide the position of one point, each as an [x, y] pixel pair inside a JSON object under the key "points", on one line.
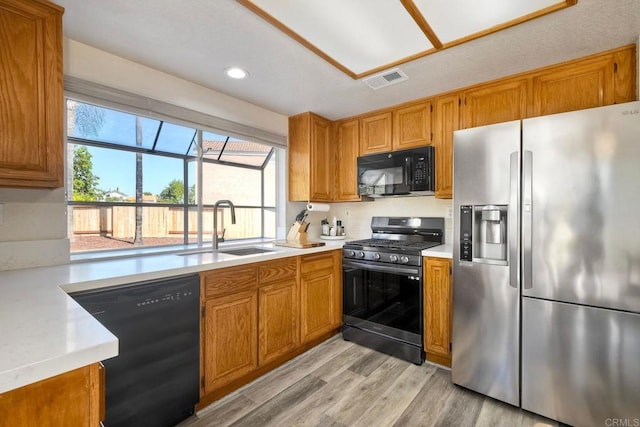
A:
{"points": [[172, 297]]}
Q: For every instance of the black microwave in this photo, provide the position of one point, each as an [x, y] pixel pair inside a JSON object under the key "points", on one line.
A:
{"points": [[397, 173]]}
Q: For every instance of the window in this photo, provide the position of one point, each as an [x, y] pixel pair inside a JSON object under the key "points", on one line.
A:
{"points": [[133, 181]]}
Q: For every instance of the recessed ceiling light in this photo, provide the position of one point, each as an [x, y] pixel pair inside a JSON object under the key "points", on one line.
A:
{"points": [[236, 73]]}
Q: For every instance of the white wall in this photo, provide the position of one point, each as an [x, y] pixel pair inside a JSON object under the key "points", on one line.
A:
{"points": [[356, 216], [34, 229], [88, 63]]}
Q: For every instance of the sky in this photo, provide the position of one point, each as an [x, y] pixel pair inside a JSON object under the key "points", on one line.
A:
{"points": [[117, 169]]}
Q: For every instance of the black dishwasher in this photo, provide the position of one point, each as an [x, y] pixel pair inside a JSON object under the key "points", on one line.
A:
{"points": [[154, 381]]}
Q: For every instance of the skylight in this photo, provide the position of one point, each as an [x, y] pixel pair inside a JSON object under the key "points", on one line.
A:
{"points": [[362, 37], [102, 126]]}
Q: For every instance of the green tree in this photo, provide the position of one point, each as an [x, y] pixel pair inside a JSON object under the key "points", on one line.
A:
{"points": [[85, 182], [192, 195], [173, 192]]}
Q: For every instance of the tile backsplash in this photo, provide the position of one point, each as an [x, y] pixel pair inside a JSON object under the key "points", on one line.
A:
{"points": [[356, 216]]}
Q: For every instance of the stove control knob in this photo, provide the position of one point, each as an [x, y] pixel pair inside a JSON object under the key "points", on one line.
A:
{"points": [[361, 254], [404, 259], [376, 256], [352, 253], [393, 258]]}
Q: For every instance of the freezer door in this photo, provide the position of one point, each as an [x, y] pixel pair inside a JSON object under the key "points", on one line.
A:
{"points": [[486, 303], [580, 217], [580, 364]]}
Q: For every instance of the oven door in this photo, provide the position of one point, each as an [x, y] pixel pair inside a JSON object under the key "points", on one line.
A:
{"points": [[383, 299]]}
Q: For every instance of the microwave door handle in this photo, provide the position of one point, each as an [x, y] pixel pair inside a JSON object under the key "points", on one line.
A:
{"points": [[408, 167]]}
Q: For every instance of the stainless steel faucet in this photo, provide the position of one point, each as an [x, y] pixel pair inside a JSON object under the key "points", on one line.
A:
{"points": [[215, 219]]}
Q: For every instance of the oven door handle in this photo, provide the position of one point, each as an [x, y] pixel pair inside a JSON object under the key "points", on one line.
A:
{"points": [[382, 268]]}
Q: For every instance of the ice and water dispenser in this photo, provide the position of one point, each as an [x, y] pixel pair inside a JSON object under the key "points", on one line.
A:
{"points": [[483, 233]]}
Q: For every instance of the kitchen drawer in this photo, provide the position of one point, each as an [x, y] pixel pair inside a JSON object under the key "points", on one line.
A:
{"points": [[226, 281], [281, 269], [311, 263]]}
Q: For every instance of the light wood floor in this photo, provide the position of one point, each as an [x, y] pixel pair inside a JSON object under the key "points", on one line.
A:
{"points": [[343, 384]]}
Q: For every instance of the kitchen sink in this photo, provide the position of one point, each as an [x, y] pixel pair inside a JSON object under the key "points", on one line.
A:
{"points": [[235, 252], [245, 251]]}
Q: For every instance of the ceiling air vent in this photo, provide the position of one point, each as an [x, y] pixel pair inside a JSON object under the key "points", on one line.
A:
{"points": [[386, 78]]}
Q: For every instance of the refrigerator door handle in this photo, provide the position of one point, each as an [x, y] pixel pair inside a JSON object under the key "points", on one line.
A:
{"points": [[514, 226], [527, 176]]}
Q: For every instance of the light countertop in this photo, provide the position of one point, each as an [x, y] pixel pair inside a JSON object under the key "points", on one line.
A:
{"points": [[44, 332], [442, 251]]}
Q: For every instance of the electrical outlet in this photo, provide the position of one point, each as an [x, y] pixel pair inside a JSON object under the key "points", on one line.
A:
{"points": [[449, 212], [1, 213]]}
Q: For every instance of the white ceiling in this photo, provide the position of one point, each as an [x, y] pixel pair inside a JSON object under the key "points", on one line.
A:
{"points": [[365, 36], [199, 39]]}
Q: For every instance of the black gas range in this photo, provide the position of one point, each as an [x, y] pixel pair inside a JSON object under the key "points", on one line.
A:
{"points": [[382, 285], [397, 240]]}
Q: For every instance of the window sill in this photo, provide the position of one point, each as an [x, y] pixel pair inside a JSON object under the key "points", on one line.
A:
{"points": [[156, 250]]}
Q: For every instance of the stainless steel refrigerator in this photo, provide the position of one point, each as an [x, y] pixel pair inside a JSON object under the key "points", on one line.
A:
{"points": [[546, 264]]}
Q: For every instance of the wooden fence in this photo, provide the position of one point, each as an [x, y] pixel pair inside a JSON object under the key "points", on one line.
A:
{"points": [[120, 221]]}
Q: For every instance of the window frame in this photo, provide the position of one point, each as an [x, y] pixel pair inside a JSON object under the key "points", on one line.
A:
{"points": [[187, 158]]}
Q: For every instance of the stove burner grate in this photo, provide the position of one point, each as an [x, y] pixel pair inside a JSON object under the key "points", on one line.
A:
{"points": [[392, 244]]}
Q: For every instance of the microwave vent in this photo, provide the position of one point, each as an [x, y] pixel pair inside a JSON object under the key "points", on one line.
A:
{"points": [[386, 78]]}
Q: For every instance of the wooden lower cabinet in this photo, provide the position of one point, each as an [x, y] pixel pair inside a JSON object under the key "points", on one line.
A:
{"points": [[278, 309], [278, 331], [320, 295], [437, 310], [251, 330], [231, 341], [75, 398]]}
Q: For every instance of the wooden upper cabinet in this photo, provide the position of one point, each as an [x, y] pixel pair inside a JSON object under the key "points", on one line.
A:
{"points": [[437, 310], [322, 155], [375, 133], [602, 79], [494, 103], [446, 121], [412, 126], [348, 147], [311, 156], [31, 100], [605, 79], [625, 73], [587, 84]]}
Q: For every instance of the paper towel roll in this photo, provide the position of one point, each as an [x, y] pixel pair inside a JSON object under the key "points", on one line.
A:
{"points": [[318, 207]]}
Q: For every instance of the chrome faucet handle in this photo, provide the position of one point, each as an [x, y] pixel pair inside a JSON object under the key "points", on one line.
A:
{"points": [[221, 238]]}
